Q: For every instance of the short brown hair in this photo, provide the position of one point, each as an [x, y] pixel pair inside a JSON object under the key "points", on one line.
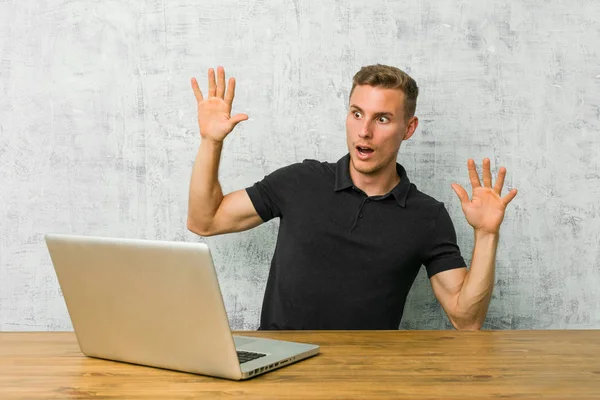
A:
{"points": [[389, 77]]}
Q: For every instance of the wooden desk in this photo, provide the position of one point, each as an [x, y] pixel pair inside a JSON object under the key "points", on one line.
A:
{"points": [[356, 365]]}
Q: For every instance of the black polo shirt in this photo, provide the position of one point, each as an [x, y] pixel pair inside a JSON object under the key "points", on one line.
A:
{"points": [[344, 260]]}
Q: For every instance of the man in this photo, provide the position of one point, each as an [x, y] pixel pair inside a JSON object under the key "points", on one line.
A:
{"points": [[353, 234]]}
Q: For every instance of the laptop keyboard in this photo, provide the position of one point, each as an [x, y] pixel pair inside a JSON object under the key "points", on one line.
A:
{"points": [[246, 356]]}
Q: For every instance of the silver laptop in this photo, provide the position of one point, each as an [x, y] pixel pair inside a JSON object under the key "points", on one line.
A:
{"points": [[158, 303]]}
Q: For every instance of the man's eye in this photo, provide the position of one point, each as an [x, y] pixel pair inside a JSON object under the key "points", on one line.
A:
{"points": [[357, 114], [384, 120]]}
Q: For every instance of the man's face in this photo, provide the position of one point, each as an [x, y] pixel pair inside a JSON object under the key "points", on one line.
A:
{"points": [[375, 127]]}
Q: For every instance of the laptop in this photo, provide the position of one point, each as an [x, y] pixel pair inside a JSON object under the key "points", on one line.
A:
{"points": [[159, 304]]}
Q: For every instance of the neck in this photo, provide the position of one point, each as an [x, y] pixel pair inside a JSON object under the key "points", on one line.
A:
{"points": [[377, 183]]}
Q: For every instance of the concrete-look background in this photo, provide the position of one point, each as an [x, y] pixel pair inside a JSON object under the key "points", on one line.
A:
{"points": [[98, 132]]}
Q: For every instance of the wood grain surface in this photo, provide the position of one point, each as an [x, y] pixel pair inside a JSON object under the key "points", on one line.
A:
{"points": [[352, 365]]}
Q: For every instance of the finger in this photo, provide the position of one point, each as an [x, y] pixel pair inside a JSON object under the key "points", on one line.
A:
{"points": [[461, 193], [229, 95], [236, 119], [212, 85], [197, 91], [509, 197], [487, 174], [220, 82], [500, 181], [473, 177]]}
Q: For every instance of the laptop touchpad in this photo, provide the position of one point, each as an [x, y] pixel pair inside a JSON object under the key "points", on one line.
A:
{"points": [[243, 341]]}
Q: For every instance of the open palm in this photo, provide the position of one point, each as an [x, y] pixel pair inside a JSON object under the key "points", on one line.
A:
{"points": [[214, 113], [485, 210]]}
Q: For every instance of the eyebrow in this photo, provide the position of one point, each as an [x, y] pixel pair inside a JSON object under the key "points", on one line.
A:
{"points": [[379, 114]]}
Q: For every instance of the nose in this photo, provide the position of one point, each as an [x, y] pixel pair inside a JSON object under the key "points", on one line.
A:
{"points": [[366, 130]]}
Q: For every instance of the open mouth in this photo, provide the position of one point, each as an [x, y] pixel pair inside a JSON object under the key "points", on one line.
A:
{"points": [[364, 151]]}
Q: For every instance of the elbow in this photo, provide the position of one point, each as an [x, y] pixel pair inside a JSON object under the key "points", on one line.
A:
{"points": [[468, 318], [199, 230], [465, 324], [470, 327]]}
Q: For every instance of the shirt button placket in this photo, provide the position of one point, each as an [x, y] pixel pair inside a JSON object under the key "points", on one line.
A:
{"points": [[360, 213]]}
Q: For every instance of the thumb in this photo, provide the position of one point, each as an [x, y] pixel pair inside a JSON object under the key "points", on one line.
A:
{"points": [[461, 193], [236, 119]]}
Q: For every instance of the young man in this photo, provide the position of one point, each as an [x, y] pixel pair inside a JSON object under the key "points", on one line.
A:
{"points": [[353, 234]]}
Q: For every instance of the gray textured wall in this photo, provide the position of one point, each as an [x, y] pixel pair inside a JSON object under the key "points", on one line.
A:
{"points": [[98, 132]]}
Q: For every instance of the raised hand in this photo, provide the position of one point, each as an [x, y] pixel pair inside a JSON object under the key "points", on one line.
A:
{"points": [[485, 210], [214, 113]]}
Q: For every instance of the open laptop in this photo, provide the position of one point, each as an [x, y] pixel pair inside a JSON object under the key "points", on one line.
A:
{"points": [[158, 303]]}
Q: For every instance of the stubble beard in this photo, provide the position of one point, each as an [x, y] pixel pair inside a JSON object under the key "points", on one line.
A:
{"points": [[372, 168]]}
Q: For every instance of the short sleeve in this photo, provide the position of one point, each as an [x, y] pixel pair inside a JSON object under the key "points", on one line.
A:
{"points": [[269, 195], [442, 252]]}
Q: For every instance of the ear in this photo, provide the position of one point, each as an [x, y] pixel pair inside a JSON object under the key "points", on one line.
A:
{"points": [[411, 127]]}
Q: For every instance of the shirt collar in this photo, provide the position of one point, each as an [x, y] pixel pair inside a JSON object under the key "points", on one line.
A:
{"points": [[344, 181]]}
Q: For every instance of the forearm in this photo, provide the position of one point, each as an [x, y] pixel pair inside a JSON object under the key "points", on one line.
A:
{"points": [[476, 291], [205, 194]]}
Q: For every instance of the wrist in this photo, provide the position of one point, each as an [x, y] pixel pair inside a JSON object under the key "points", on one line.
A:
{"points": [[212, 142], [485, 235]]}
